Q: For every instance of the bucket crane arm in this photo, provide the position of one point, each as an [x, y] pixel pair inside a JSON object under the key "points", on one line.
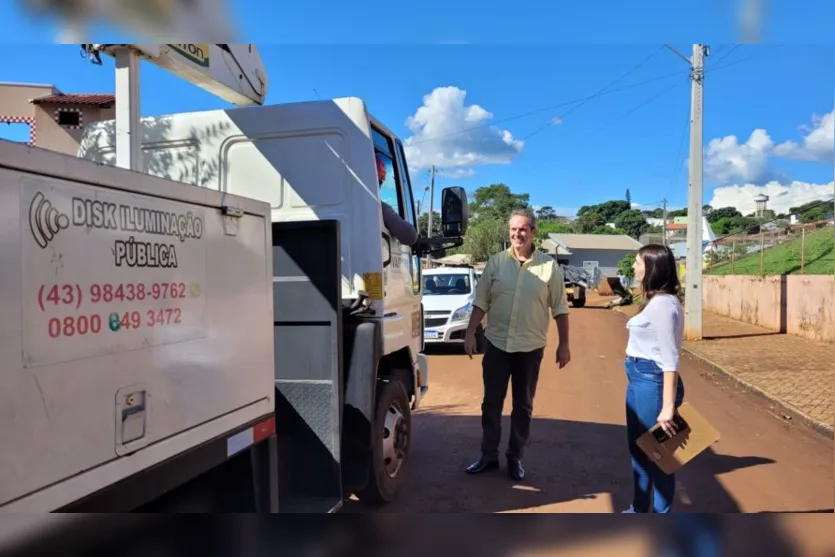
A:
{"points": [[233, 72]]}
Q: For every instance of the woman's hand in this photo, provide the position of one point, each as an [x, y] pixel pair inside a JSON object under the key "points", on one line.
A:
{"points": [[665, 420]]}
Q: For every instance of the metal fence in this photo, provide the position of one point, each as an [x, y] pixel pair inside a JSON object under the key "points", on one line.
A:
{"points": [[748, 253]]}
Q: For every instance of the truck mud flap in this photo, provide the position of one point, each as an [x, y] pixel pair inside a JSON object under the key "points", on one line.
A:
{"points": [[307, 314]]}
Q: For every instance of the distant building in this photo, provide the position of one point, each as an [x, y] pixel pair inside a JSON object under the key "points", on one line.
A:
{"points": [[56, 120], [677, 231], [596, 253]]}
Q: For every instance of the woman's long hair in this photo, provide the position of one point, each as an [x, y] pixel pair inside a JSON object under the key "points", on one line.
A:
{"points": [[660, 274]]}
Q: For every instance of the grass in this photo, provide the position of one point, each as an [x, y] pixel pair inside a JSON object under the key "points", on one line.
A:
{"points": [[785, 259]]}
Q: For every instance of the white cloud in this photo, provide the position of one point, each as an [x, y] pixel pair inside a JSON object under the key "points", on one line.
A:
{"points": [[456, 173], [449, 134], [817, 145], [781, 197], [726, 160]]}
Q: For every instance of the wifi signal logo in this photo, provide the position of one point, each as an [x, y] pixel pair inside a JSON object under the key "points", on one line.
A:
{"points": [[45, 221]]}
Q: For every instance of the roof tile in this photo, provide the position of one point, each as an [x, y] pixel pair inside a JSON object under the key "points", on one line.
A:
{"points": [[64, 98]]}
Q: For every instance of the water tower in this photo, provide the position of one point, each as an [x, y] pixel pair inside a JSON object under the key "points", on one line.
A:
{"points": [[761, 201]]}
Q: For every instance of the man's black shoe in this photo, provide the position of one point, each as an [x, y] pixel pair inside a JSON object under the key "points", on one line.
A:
{"points": [[515, 469], [483, 464]]}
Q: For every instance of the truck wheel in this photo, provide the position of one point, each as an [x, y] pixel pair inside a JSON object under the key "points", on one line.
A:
{"points": [[391, 440], [578, 303]]}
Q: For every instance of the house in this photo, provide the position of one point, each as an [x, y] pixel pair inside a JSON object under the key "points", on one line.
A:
{"points": [[677, 230], [594, 252], [55, 120]]}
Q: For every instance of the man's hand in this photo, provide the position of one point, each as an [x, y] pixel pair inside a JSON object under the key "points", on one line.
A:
{"points": [[469, 344], [563, 355]]}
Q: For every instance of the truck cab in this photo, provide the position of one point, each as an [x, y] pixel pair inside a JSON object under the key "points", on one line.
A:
{"points": [[348, 317]]}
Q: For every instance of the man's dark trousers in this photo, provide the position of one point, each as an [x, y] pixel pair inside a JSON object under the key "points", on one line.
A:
{"points": [[521, 369]]}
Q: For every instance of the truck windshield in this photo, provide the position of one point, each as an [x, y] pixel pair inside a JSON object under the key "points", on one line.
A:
{"points": [[437, 285]]}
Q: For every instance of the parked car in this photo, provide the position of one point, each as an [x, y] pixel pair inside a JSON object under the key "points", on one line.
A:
{"points": [[448, 296]]}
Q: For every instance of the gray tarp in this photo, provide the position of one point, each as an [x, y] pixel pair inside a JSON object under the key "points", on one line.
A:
{"points": [[579, 275]]}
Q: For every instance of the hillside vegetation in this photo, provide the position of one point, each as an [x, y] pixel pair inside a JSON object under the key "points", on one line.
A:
{"points": [[785, 259]]}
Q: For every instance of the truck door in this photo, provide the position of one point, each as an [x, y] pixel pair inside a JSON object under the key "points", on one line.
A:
{"points": [[402, 274]]}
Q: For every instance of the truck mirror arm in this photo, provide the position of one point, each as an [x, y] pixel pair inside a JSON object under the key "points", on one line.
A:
{"points": [[426, 246]]}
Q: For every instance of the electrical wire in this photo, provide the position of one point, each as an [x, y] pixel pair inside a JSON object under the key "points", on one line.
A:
{"points": [[680, 152], [578, 101], [575, 101], [637, 107], [731, 51]]}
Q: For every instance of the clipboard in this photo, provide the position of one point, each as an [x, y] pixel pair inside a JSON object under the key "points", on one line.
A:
{"points": [[694, 436]]}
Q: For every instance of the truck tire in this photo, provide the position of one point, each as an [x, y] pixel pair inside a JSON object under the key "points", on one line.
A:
{"points": [[391, 441], [578, 303]]}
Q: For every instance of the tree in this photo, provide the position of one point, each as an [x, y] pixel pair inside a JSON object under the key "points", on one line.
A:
{"points": [[707, 209], [625, 266], [608, 210], [484, 238], [546, 213], [423, 223], [677, 213], [814, 214], [735, 225], [719, 214], [633, 222], [769, 214], [496, 201], [588, 221], [545, 227]]}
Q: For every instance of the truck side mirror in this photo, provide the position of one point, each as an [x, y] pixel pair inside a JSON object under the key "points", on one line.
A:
{"points": [[454, 212]]}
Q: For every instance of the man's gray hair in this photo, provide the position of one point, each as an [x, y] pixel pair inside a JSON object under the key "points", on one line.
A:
{"points": [[524, 212]]}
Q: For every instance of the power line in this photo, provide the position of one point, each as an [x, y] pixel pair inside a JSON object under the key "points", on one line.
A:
{"points": [[731, 51], [638, 107], [579, 101], [582, 100], [621, 78], [575, 101], [680, 152]]}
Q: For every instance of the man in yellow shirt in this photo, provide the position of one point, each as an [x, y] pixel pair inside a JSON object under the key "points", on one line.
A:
{"points": [[520, 290]]}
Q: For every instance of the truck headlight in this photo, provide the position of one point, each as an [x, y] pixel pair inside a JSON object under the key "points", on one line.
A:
{"points": [[462, 314]]}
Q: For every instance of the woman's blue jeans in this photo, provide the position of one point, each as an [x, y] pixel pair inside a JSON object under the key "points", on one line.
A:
{"points": [[653, 490]]}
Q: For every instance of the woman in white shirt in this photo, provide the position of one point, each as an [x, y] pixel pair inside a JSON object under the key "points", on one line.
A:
{"points": [[655, 390]]}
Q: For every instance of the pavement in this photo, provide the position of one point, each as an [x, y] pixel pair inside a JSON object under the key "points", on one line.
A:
{"points": [[795, 375], [577, 461]]}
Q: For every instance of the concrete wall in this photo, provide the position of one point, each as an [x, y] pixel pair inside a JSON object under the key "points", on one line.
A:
{"points": [[795, 304], [62, 139], [14, 99]]}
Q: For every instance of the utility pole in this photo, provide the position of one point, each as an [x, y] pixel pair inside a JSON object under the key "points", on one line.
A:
{"points": [[128, 132], [693, 276], [664, 224], [431, 209]]}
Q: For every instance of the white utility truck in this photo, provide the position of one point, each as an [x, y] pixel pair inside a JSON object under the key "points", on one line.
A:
{"points": [[285, 372]]}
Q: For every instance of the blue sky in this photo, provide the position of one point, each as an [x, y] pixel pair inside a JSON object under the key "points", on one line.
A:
{"points": [[475, 101]]}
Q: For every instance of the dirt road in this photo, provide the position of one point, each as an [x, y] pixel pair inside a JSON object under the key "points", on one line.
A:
{"points": [[577, 459]]}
